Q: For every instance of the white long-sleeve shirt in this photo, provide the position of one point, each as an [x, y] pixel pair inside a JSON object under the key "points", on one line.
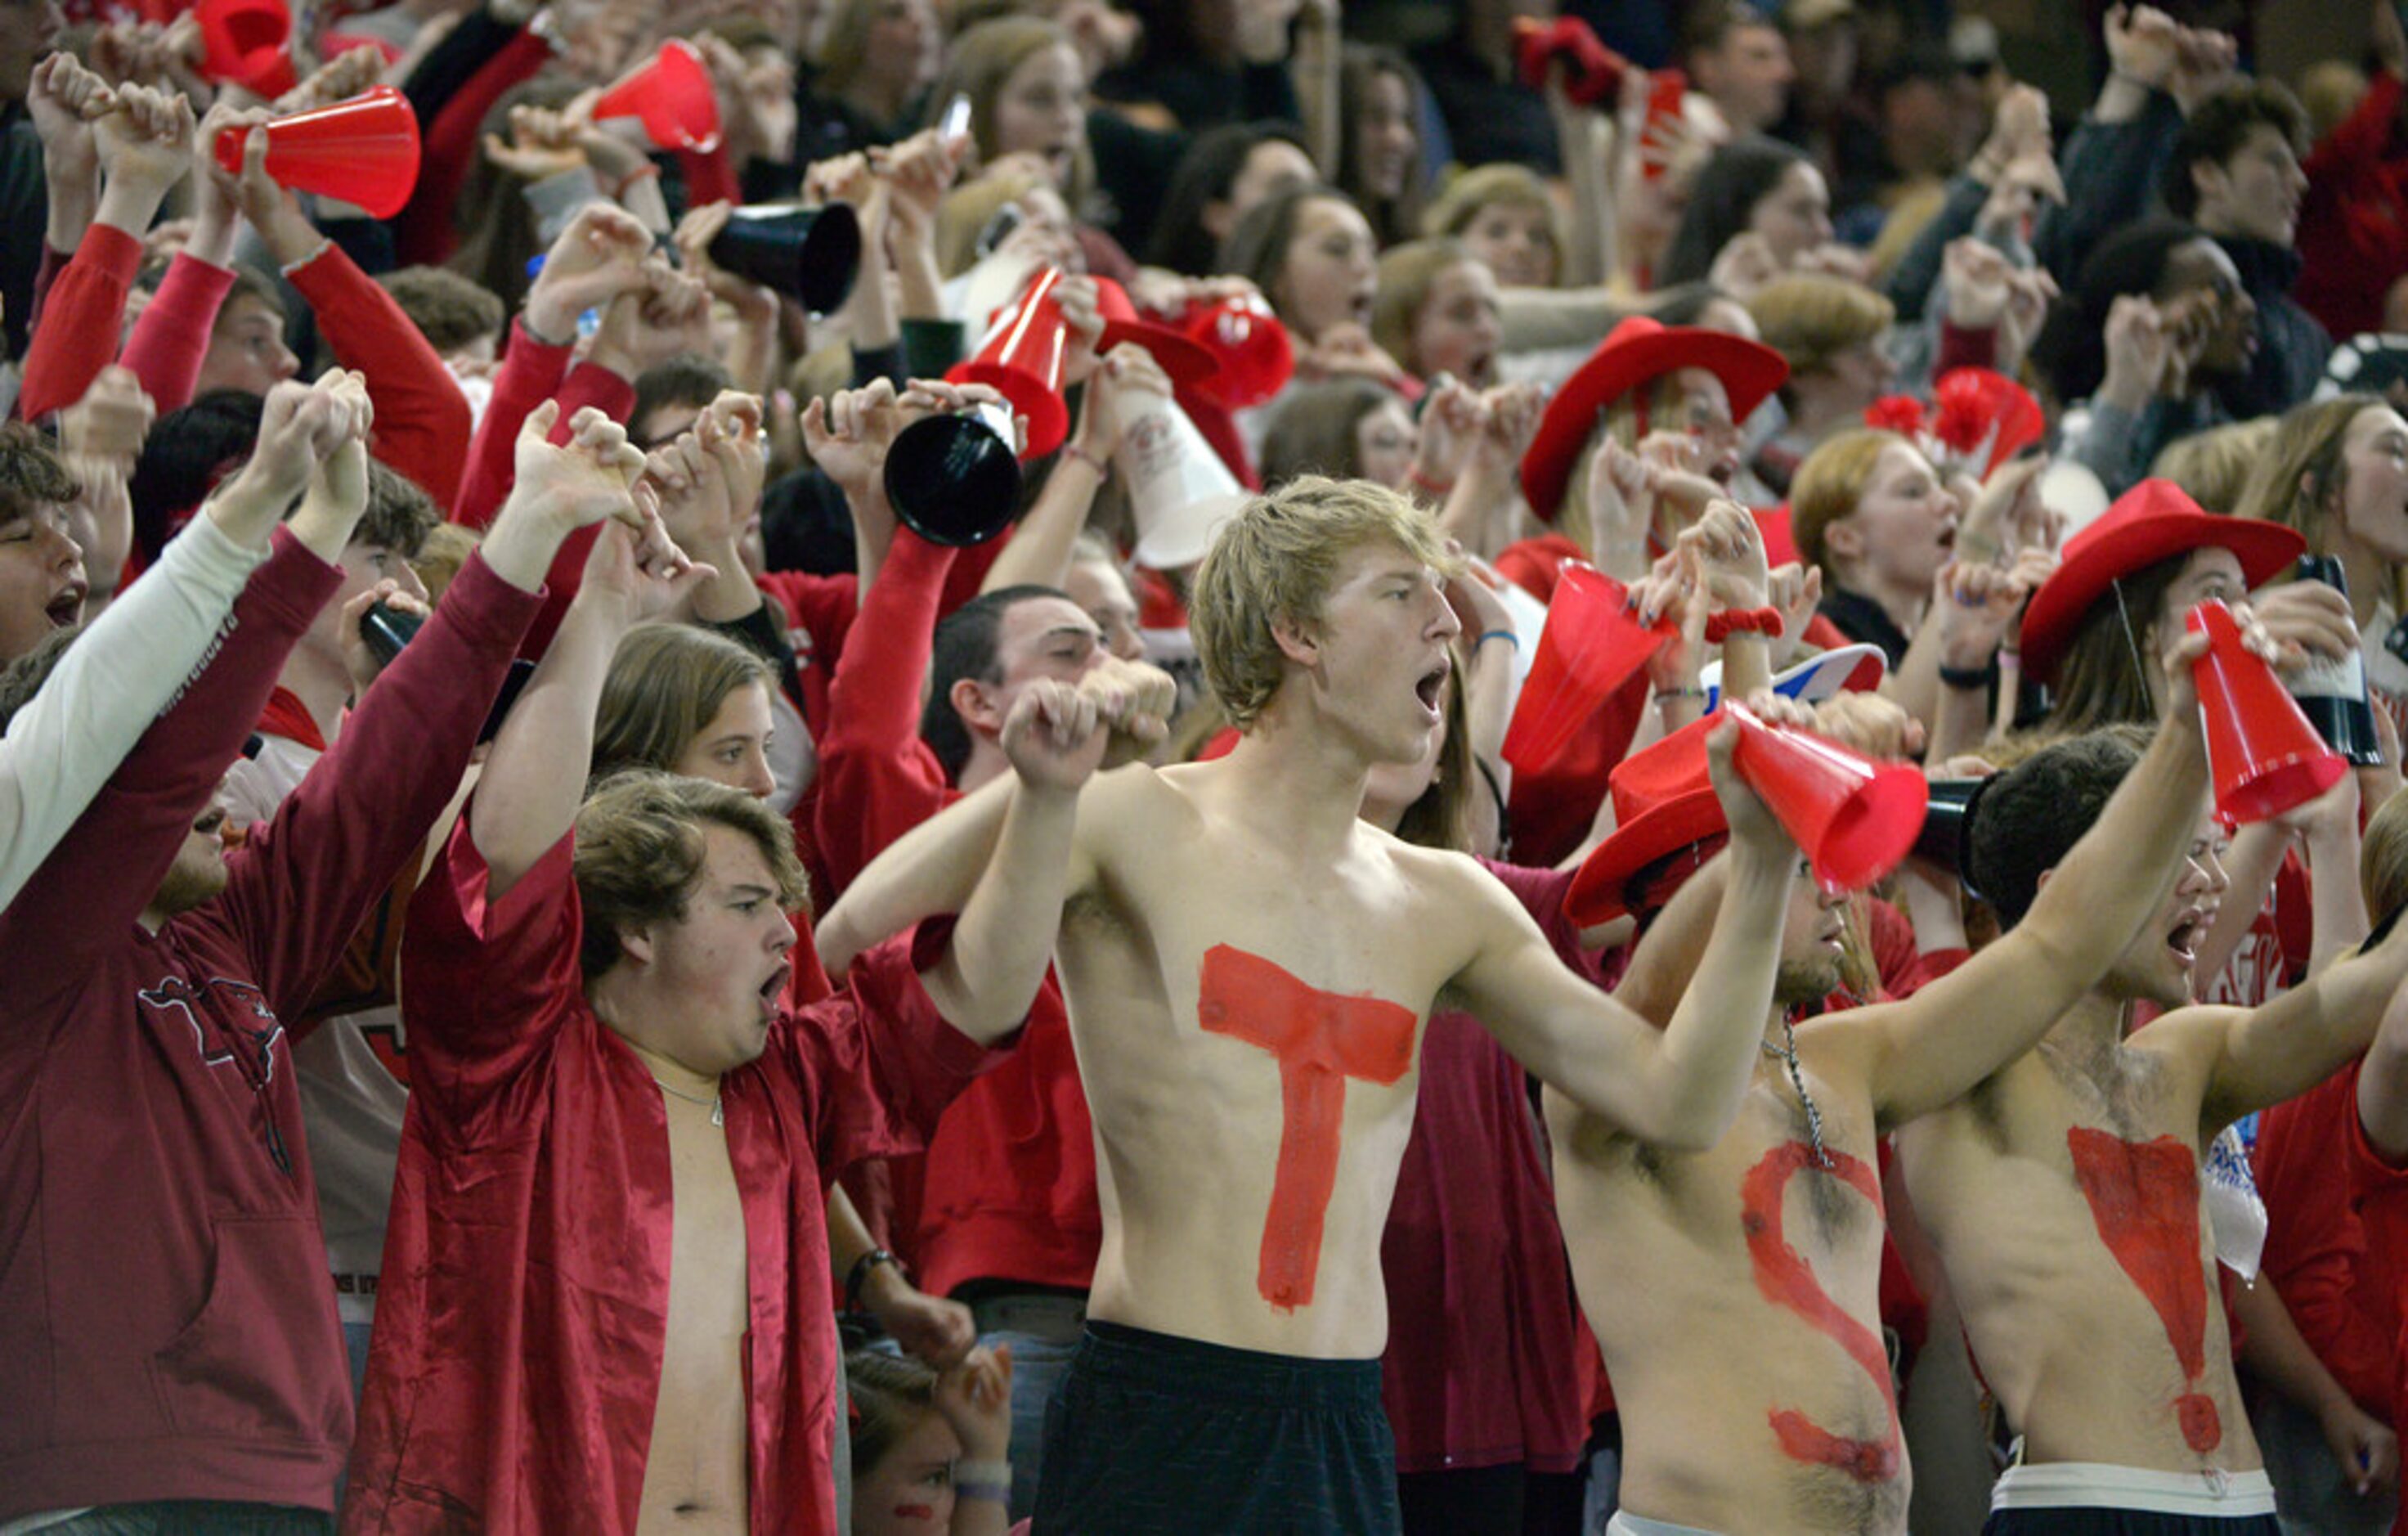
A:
{"points": [[110, 685]]}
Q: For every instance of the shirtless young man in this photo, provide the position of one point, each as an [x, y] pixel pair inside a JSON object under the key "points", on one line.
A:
{"points": [[1248, 967], [2064, 1198], [606, 1307], [1734, 1290]]}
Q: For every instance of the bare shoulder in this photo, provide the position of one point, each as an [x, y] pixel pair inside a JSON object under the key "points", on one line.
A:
{"points": [[1135, 800], [2189, 1036]]}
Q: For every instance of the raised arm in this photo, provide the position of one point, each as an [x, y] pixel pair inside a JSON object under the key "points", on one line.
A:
{"points": [[535, 777], [995, 959], [2382, 1085], [932, 868], [1679, 1088], [2286, 1047], [1937, 1046]]}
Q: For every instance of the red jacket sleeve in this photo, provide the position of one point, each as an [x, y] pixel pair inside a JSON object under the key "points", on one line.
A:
{"points": [[531, 372], [2362, 135], [107, 868], [822, 607], [880, 1061], [614, 397], [877, 779], [172, 335], [304, 880], [77, 337], [489, 981], [422, 418]]}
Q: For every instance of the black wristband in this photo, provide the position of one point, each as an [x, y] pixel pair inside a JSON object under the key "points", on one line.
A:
{"points": [[860, 1272], [1964, 677]]}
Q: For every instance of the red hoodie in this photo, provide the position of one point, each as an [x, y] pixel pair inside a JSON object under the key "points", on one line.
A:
{"points": [[166, 1329]]}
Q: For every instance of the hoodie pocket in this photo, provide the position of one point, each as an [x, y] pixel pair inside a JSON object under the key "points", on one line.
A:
{"points": [[264, 1358]]}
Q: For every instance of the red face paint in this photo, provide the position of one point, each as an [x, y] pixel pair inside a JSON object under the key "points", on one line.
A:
{"points": [[1320, 1040], [2144, 1198], [1787, 1280]]}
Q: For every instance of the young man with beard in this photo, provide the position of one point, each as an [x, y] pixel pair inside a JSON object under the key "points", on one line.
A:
{"points": [[167, 1333], [2064, 1192], [1248, 966], [1733, 1289]]}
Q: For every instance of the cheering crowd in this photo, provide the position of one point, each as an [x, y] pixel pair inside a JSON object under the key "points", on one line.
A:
{"points": [[882, 768]]}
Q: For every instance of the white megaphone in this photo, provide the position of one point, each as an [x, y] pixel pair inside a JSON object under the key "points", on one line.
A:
{"points": [[1178, 487]]}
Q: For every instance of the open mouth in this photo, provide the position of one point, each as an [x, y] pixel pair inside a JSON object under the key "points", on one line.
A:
{"points": [[1431, 687], [68, 606], [775, 987], [2189, 930]]}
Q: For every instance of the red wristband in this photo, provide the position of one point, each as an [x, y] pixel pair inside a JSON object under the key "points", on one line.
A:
{"points": [[1756, 621]]}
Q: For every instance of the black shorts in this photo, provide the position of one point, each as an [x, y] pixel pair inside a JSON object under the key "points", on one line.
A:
{"points": [[1148, 1432]]}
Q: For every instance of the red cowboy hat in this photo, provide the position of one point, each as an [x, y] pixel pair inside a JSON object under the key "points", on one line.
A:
{"points": [[1185, 361], [1639, 350], [2153, 521], [1663, 802]]}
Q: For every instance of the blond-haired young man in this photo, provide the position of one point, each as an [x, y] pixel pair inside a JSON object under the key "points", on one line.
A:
{"points": [[1249, 967]]}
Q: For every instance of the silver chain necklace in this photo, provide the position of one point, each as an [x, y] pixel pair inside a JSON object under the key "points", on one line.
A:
{"points": [[718, 1118], [1786, 1052]]}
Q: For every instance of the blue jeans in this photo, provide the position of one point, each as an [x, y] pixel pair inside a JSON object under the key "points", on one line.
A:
{"points": [[1038, 1367]]}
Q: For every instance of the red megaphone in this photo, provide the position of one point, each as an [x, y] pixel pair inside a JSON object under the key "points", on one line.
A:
{"points": [[1592, 71], [363, 150], [1589, 647], [244, 42], [1854, 819], [1021, 358], [672, 96], [1252, 347], [2265, 755]]}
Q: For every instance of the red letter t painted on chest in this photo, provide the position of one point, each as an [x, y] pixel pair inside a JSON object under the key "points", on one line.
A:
{"points": [[1320, 1040]]}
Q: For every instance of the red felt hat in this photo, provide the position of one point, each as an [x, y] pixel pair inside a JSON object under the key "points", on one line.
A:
{"points": [[1639, 350], [1663, 801], [2153, 521], [1187, 362]]}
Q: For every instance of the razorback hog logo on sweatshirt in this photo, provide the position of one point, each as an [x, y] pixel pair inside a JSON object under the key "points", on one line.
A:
{"points": [[249, 1047]]}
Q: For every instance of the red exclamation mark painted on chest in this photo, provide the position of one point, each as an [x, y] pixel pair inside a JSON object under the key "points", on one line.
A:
{"points": [[2144, 1196], [1320, 1040]]}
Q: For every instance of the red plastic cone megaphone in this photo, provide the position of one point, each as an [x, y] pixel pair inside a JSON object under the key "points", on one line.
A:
{"points": [[954, 480], [1021, 358], [1855, 819], [1589, 647], [2265, 755], [1251, 345], [243, 42], [363, 150], [672, 96]]}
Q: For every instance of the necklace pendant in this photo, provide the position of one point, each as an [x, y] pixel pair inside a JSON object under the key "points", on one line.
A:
{"points": [[718, 1115]]}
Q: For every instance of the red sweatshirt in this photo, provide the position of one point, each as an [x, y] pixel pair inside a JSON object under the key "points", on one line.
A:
{"points": [[877, 779], [172, 336], [523, 1311], [1481, 1363], [2318, 1253], [77, 334], [167, 1330], [1009, 1179], [2353, 235], [422, 418]]}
